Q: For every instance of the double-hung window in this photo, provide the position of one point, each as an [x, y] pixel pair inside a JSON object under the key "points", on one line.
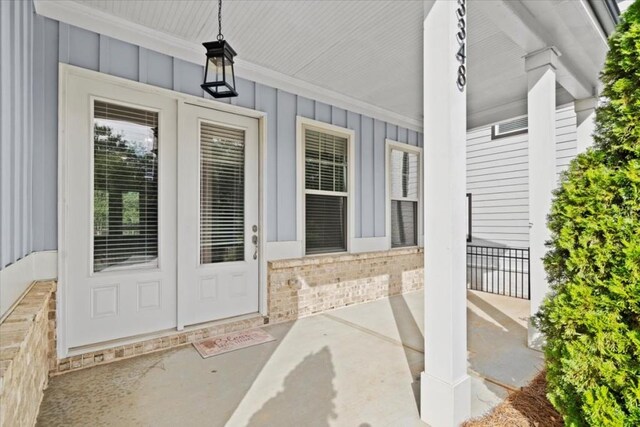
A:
{"points": [[326, 164], [404, 193]]}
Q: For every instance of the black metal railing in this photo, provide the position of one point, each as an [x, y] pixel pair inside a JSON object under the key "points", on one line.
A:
{"points": [[499, 270]]}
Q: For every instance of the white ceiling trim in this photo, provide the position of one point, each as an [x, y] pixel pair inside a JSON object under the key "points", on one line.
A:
{"points": [[91, 19]]}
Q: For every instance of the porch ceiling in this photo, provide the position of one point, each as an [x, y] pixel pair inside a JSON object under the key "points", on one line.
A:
{"points": [[369, 50]]}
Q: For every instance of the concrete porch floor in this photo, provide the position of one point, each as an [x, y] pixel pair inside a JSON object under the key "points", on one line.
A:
{"points": [[355, 366]]}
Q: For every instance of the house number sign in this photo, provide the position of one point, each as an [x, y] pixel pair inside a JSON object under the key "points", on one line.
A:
{"points": [[461, 36]]}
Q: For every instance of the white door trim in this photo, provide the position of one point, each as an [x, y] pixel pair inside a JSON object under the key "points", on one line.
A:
{"points": [[65, 71]]}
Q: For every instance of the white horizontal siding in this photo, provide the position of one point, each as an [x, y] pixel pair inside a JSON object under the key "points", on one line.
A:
{"points": [[566, 139], [498, 178]]}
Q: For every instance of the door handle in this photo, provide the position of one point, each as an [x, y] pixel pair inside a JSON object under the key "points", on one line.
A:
{"points": [[254, 240]]}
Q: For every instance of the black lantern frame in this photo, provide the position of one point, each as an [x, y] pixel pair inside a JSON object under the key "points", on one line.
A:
{"points": [[219, 85]]}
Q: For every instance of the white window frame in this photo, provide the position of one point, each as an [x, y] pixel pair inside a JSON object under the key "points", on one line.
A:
{"points": [[302, 124], [160, 196], [395, 145]]}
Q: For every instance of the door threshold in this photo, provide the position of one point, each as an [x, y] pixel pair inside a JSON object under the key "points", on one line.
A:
{"points": [[219, 322], [252, 319]]}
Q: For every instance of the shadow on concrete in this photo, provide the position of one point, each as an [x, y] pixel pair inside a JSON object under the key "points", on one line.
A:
{"points": [[160, 389], [498, 346], [407, 329], [307, 398], [499, 316]]}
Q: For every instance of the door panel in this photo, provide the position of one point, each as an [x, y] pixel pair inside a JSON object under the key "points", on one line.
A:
{"points": [[217, 215], [120, 258]]}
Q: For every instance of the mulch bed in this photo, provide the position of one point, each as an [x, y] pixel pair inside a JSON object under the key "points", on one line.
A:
{"points": [[526, 407]]}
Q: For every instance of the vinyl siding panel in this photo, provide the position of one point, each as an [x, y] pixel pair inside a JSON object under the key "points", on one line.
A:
{"points": [[354, 122], [566, 138], [379, 201], [286, 176], [16, 131], [498, 178], [366, 178]]}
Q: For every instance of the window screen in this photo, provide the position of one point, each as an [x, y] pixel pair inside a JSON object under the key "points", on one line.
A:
{"points": [[125, 187], [404, 184], [326, 170], [221, 194]]}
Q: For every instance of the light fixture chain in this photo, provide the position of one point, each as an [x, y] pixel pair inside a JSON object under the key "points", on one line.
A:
{"points": [[220, 36]]}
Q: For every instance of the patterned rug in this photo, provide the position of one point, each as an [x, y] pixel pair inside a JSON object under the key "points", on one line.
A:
{"points": [[230, 342]]}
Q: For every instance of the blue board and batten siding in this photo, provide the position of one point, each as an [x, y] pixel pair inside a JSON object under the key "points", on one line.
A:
{"points": [[19, 156], [34, 193]]}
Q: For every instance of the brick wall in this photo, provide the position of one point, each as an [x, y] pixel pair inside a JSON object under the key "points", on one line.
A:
{"points": [[296, 288], [302, 287], [25, 344]]}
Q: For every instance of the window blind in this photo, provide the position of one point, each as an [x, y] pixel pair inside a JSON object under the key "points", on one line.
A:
{"points": [[325, 162], [125, 187], [403, 223], [221, 194], [326, 167], [404, 185]]}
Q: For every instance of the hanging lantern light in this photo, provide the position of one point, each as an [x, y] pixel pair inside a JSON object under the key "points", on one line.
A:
{"points": [[219, 76]]}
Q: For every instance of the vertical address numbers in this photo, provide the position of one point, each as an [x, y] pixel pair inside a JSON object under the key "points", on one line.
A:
{"points": [[461, 36]]}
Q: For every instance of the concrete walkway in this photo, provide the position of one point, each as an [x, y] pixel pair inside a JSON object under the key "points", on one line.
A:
{"points": [[357, 366]]}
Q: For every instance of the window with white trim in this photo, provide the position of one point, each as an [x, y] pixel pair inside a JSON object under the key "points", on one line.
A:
{"points": [[326, 191], [404, 190]]}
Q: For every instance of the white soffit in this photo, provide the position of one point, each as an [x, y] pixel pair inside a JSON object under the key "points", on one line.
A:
{"points": [[365, 55]]}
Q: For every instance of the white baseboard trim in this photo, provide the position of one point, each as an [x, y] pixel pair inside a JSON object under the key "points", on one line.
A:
{"points": [[369, 244], [283, 250], [16, 278]]}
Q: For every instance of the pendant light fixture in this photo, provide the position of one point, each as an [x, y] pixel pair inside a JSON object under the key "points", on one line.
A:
{"points": [[219, 76]]}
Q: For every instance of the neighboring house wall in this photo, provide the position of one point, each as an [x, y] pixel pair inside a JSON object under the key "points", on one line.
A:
{"points": [[60, 42], [566, 137], [498, 178], [19, 154]]}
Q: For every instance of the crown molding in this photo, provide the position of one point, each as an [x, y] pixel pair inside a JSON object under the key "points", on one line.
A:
{"points": [[100, 22]]}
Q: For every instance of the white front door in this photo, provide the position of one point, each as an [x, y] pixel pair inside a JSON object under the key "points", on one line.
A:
{"points": [[119, 175], [217, 215]]}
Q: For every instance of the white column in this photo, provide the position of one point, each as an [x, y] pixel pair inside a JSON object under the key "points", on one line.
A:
{"points": [[541, 103], [585, 117], [445, 386]]}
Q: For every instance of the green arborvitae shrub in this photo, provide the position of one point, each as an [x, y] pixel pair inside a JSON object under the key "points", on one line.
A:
{"points": [[591, 318]]}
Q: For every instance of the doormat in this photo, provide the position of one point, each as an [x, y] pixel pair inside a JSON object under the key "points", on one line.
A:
{"points": [[230, 342]]}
